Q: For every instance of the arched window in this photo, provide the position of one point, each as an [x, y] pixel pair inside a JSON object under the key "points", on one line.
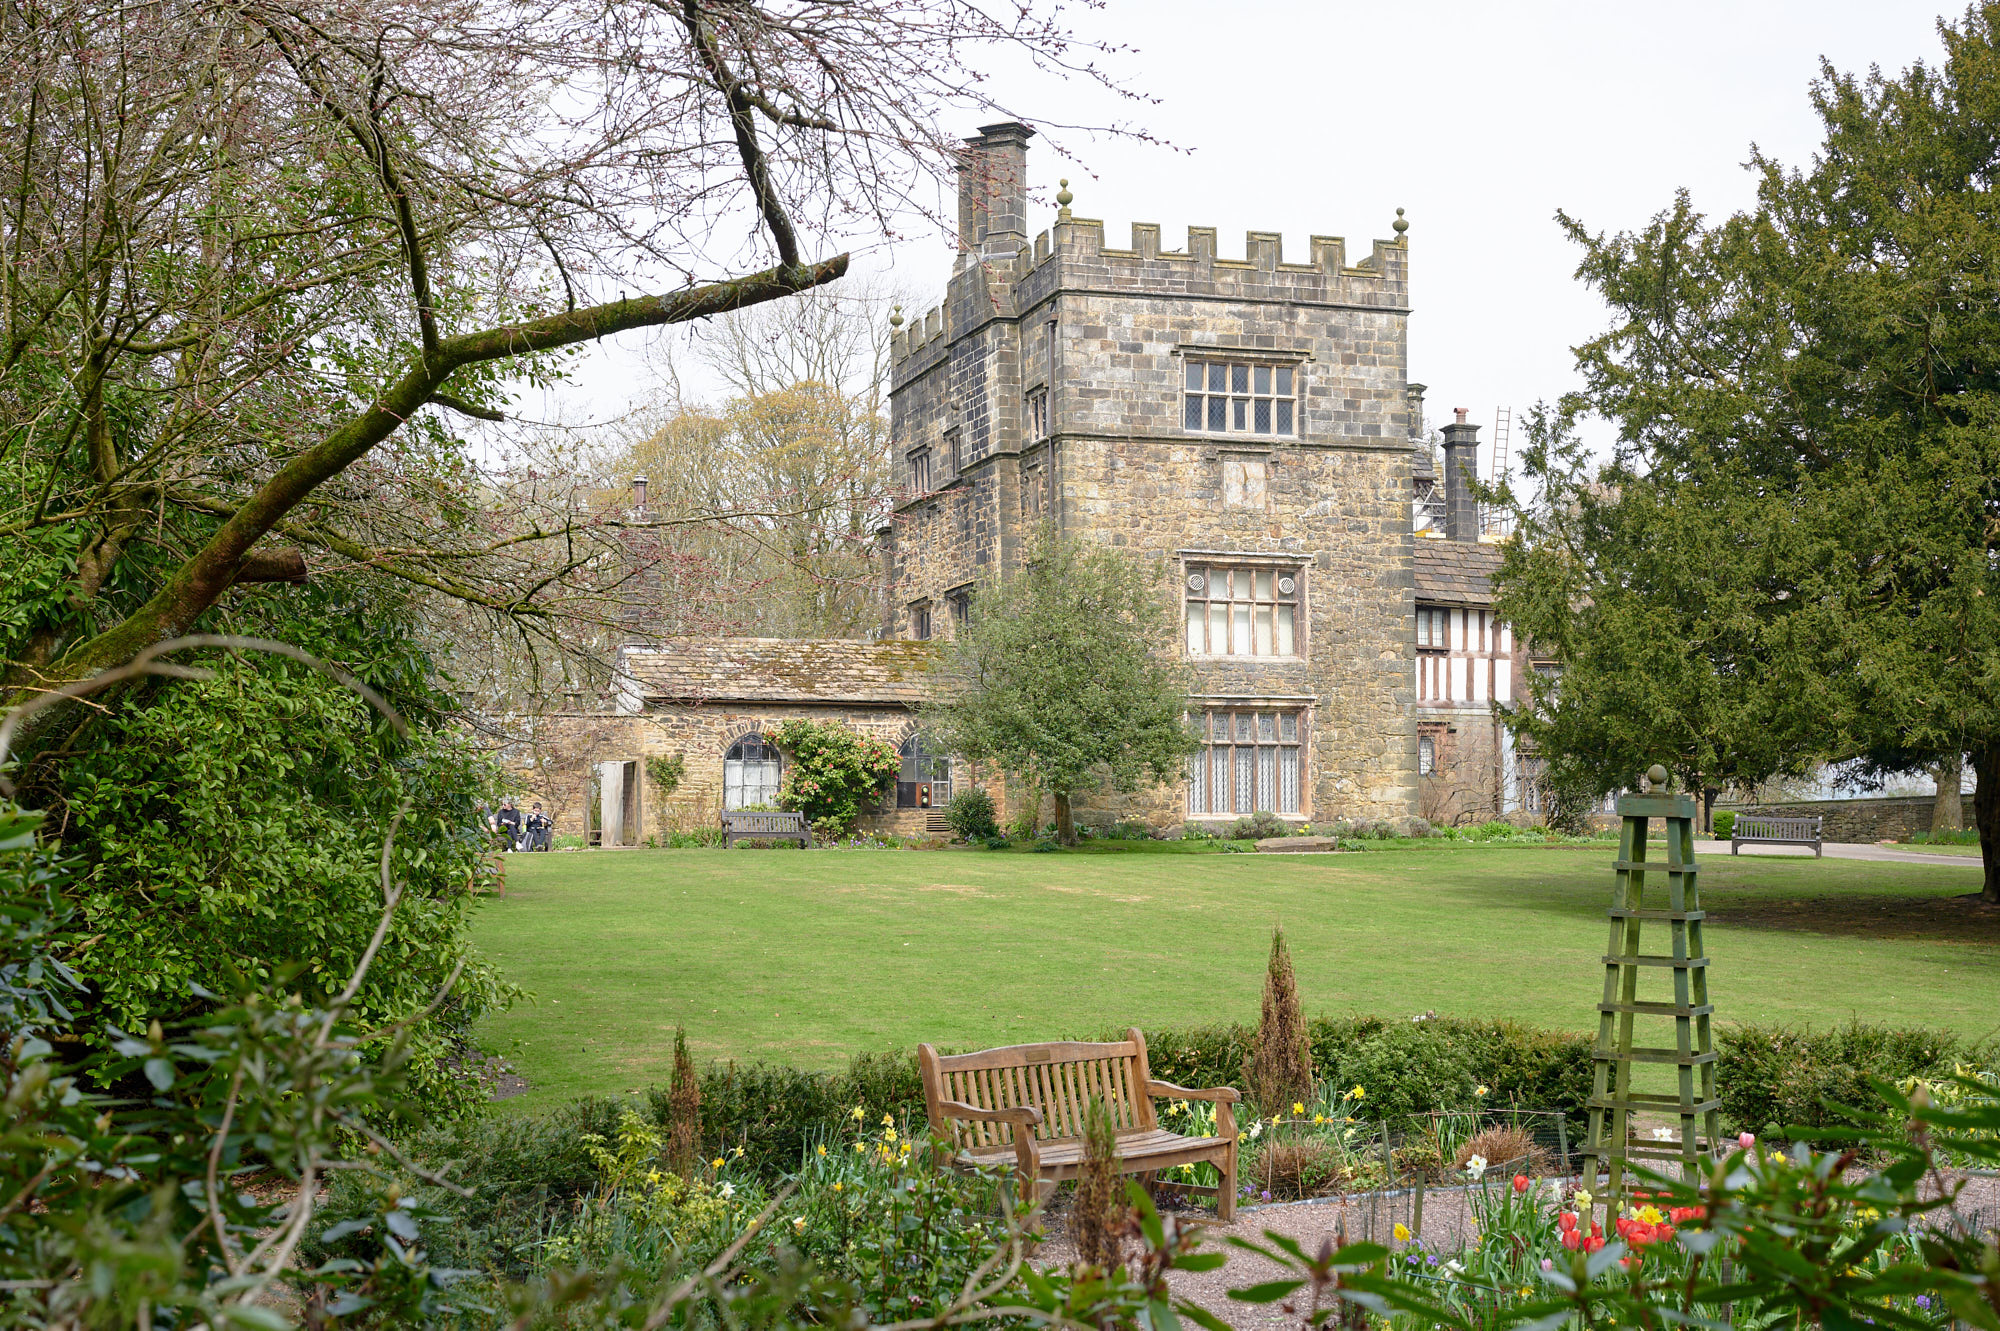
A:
{"points": [[750, 773], [1427, 757], [925, 780]]}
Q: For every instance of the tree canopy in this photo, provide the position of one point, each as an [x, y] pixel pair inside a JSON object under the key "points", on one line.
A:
{"points": [[1063, 675], [263, 262], [1795, 546]]}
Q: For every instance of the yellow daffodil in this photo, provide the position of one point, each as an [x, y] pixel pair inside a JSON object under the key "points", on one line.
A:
{"points": [[1402, 1232], [738, 1153], [1356, 1094], [1318, 1119], [800, 1224], [836, 1185], [1650, 1214], [1479, 1090], [859, 1147], [821, 1149], [1298, 1108], [888, 1120], [718, 1162], [857, 1113], [889, 1135], [1525, 1291]]}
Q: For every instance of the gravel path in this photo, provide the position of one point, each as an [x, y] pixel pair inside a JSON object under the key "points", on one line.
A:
{"points": [[1446, 1227], [1843, 851]]}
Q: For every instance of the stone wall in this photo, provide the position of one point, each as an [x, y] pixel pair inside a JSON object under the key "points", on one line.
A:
{"points": [[701, 734], [1893, 818]]}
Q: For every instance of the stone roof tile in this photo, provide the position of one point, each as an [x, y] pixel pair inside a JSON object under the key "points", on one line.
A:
{"points": [[1456, 572], [809, 670]]}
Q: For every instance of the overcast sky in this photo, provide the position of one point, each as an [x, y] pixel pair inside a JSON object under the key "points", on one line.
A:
{"points": [[1479, 119]]}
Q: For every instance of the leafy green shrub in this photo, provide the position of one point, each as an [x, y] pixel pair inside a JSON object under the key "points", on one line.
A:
{"points": [[833, 772], [694, 838], [1725, 824], [971, 815], [233, 827], [1258, 826], [1772, 1076]]}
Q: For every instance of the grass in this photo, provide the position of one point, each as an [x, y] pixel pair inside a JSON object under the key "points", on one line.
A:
{"points": [[810, 956]]}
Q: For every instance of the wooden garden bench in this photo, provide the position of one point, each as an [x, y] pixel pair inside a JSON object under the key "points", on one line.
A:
{"points": [[1024, 1104], [1759, 829], [765, 826]]}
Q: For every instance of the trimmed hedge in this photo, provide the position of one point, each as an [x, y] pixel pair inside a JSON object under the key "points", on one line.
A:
{"points": [[1767, 1075]]}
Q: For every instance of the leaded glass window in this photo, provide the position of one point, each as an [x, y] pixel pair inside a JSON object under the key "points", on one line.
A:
{"points": [[1229, 397], [1250, 762], [750, 773], [1242, 611]]}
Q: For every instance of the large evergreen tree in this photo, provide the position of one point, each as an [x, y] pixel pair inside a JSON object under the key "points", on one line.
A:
{"points": [[1062, 675], [1807, 401]]}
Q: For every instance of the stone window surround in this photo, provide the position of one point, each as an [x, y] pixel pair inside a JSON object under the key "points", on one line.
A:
{"points": [[1299, 561], [1301, 703], [1271, 356]]}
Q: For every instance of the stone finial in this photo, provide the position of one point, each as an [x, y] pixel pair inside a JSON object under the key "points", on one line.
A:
{"points": [[895, 316], [1400, 225], [1063, 200], [1657, 774]]}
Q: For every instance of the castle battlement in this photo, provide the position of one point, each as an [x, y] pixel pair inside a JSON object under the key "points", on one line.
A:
{"points": [[1072, 255]]}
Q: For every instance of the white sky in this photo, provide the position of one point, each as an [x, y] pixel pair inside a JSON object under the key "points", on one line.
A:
{"points": [[1480, 119]]}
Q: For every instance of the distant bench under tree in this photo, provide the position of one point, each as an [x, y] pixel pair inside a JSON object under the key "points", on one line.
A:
{"points": [[1763, 829], [765, 825]]}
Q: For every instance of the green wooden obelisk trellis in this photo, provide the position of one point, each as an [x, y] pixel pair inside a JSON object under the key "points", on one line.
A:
{"points": [[1661, 892]]}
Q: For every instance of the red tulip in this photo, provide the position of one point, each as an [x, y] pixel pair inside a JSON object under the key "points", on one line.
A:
{"points": [[1520, 1183], [1567, 1220], [1571, 1239]]}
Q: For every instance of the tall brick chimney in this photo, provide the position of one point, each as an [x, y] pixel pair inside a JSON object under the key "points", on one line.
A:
{"points": [[993, 188], [1461, 462]]}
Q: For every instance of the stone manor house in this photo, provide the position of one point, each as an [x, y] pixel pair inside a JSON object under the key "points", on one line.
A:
{"points": [[1248, 427]]}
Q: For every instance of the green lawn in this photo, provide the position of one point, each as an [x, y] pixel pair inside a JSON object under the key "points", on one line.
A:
{"points": [[808, 957]]}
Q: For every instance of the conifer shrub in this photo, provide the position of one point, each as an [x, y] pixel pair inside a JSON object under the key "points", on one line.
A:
{"points": [[1279, 1069], [683, 1110], [1097, 1218]]}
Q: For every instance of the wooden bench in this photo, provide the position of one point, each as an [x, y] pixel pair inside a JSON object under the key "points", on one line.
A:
{"points": [[1024, 1104], [761, 825], [1760, 829]]}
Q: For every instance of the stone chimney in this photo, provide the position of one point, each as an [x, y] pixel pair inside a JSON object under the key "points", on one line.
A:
{"points": [[1461, 463], [993, 189], [638, 492]]}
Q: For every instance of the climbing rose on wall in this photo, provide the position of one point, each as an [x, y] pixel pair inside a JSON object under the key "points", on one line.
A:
{"points": [[832, 773]]}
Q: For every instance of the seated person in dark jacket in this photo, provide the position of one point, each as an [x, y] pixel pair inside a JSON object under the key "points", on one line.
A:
{"points": [[510, 824], [540, 826]]}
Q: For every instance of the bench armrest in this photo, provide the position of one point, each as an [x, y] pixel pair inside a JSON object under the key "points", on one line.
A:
{"points": [[1166, 1090], [1022, 1115]]}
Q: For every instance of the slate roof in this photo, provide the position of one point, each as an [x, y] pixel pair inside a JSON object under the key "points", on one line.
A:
{"points": [[795, 670], [1456, 572]]}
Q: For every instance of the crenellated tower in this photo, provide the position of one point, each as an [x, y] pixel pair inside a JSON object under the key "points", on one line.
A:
{"points": [[1246, 424]]}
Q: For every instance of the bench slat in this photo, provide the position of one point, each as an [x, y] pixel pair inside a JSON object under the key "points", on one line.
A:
{"points": [[1020, 1055]]}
